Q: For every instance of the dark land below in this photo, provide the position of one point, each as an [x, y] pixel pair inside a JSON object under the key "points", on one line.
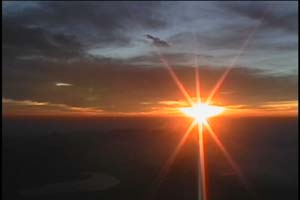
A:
{"points": [[120, 158]]}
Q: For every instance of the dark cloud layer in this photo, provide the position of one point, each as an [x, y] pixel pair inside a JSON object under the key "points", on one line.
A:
{"points": [[102, 23], [23, 41]]}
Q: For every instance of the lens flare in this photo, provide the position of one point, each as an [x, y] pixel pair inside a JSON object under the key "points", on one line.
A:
{"points": [[200, 112]]}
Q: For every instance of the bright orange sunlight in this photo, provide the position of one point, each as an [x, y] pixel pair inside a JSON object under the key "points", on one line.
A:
{"points": [[202, 111]]}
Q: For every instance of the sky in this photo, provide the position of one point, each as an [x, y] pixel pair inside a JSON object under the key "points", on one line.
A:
{"points": [[102, 58]]}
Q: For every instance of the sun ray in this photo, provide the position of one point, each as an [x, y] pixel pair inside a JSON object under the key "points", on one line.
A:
{"points": [[202, 174], [175, 78], [232, 163], [198, 97], [235, 59], [197, 80], [202, 193], [165, 169]]}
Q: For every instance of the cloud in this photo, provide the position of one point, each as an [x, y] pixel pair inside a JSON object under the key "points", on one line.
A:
{"points": [[101, 23], [279, 105], [58, 31], [279, 15], [157, 42], [178, 58], [275, 108], [173, 103], [275, 27], [46, 43], [233, 37], [35, 107], [23, 102], [37, 43], [60, 84]]}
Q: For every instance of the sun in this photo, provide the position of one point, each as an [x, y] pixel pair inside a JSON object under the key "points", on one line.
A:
{"points": [[201, 111]]}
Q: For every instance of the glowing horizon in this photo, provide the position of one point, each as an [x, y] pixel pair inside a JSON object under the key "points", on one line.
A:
{"points": [[200, 111]]}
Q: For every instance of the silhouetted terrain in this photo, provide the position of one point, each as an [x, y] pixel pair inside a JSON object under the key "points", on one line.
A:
{"points": [[119, 158]]}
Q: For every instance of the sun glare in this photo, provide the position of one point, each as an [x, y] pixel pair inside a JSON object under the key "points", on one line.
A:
{"points": [[201, 111]]}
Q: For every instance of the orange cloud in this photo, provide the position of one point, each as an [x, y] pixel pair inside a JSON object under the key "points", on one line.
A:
{"points": [[28, 107]]}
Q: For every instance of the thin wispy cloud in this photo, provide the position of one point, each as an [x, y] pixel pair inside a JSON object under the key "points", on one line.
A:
{"points": [[34, 107], [23, 102]]}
